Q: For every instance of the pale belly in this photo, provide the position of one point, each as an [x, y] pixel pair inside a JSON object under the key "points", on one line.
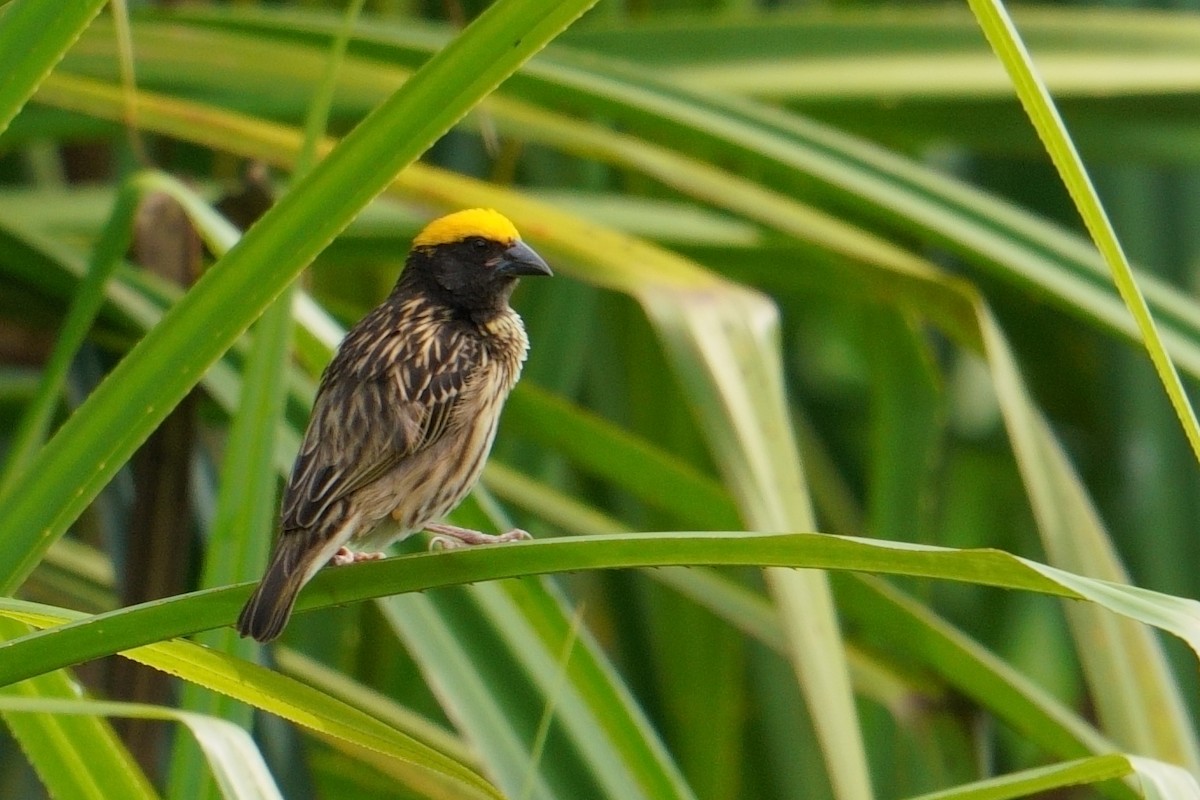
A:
{"points": [[426, 487]]}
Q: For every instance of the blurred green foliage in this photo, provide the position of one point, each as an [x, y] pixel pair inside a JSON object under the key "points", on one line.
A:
{"points": [[814, 273]]}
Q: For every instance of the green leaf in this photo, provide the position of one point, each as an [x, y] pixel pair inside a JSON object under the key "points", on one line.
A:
{"points": [[904, 425], [1071, 773], [339, 685], [230, 753], [238, 546], [607, 451], [601, 745], [185, 614], [35, 34], [1123, 661], [875, 610], [240, 534], [423, 767], [1005, 40], [890, 619], [74, 758]]}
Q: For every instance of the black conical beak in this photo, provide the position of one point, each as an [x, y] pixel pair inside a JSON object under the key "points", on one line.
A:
{"points": [[521, 260]]}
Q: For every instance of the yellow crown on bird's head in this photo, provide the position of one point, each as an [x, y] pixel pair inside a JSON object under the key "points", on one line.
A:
{"points": [[462, 225]]}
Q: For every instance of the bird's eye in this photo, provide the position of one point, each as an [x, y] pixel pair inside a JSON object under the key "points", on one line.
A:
{"points": [[479, 243]]}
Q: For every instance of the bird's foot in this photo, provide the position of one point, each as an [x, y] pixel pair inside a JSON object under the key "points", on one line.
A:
{"points": [[346, 556], [450, 537]]}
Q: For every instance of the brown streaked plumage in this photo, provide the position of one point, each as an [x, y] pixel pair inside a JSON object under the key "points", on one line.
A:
{"points": [[406, 412]]}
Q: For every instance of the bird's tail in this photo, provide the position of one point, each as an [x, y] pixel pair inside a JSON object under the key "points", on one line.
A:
{"points": [[297, 557]]}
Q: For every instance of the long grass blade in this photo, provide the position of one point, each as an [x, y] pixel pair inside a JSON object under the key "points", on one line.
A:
{"points": [[243, 523], [1034, 96], [34, 34], [185, 614], [233, 758], [1072, 773], [78, 758]]}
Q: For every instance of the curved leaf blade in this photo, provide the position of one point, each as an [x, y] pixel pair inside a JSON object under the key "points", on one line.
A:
{"points": [[34, 35], [85, 637]]}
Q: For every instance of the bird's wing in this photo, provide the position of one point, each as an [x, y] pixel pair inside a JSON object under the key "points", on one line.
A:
{"points": [[376, 407]]}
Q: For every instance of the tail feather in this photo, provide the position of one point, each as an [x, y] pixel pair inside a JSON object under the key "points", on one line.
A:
{"points": [[297, 557], [270, 607]]}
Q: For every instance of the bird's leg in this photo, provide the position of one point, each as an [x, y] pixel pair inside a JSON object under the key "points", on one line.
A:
{"points": [[345, 556], [449, 537]]}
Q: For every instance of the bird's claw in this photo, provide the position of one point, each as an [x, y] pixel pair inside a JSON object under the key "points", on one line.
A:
{"points": [[346, 556], [450, 537], [439, 542]]}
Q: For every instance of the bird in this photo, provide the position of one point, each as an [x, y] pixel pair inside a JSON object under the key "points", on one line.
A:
{"points": [[405, 413]]}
